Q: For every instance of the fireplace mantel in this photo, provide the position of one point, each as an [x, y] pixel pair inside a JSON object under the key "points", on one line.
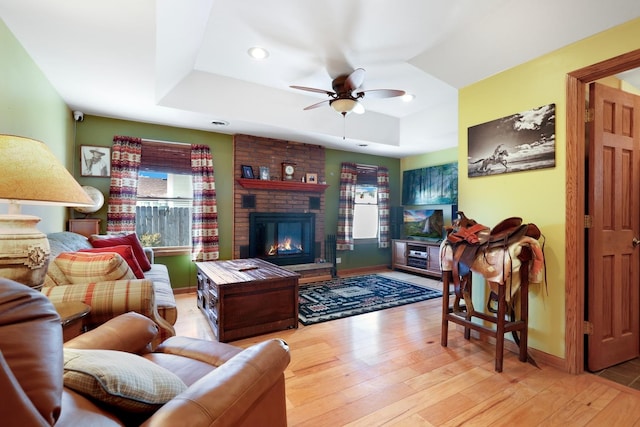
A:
{"points": [[260, 184]]}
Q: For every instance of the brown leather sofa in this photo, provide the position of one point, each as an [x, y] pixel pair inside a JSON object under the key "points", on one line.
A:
{"points": [[225, 385]]}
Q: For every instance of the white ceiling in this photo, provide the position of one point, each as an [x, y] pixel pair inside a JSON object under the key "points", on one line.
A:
{"points": [[184, 62]]}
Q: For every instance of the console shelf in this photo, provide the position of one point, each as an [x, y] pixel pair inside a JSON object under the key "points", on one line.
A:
{"points": [[417, 257], [261, 184]]}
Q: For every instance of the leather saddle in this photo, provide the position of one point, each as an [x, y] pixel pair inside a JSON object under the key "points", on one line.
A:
{"points": [[467, 237]]}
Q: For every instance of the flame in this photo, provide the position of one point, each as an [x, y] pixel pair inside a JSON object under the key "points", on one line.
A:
{"points": [[284, 246]]}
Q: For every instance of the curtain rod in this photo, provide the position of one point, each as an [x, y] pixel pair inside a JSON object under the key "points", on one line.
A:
{"points": [[164, 142]]}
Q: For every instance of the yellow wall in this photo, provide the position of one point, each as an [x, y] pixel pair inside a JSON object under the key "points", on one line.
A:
{"points": [[536, 196], [629, 88]]}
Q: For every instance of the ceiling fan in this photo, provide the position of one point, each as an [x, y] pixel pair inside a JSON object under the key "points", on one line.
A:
{"points": [[343, 98]]}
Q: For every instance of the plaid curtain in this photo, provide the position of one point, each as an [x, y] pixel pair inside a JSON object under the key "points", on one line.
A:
{"points": [[383, 207], [205, 211], [125, 162], [348, 179]]}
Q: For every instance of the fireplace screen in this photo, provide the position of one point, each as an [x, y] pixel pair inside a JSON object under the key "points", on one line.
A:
{"points": [[282, 238]]}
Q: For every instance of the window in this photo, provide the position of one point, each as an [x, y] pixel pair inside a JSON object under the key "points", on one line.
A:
{"points": [[365, 213], [164, 199]]}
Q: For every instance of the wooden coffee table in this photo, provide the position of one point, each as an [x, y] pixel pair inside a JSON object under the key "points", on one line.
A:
{"points": [[247, 297], [72, 314]]}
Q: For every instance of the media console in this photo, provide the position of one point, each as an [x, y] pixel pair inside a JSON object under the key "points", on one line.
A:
{"points": [[417, 256]]}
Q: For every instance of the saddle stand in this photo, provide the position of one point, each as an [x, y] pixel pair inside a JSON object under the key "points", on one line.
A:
{"points": [[467, 239]]}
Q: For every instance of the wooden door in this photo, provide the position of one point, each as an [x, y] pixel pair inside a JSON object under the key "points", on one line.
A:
{"points": [[613, 204]]}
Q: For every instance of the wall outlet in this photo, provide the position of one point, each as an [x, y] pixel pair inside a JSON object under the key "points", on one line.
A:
{"points": [[338, 260]]}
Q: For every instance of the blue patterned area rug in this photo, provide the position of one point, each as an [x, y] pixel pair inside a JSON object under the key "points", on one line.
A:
{"points": [[349, 296]]}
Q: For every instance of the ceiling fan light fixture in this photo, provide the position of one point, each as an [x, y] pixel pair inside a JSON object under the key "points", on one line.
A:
{"points": [[258, 53], [344, 105]]}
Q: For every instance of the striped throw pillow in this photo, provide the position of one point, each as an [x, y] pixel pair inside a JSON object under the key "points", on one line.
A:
{"points": [[87, 267]]}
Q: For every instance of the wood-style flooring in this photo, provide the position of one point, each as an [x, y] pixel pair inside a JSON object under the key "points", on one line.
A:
{"points": [[388, 368]]}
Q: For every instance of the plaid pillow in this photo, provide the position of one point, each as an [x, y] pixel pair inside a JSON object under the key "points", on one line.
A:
{"points": [[125, 252], [122, 380], [54, 275], [85, 267]]}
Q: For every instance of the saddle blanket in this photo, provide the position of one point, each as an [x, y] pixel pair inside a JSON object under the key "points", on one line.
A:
{"points": [[501, 266]]}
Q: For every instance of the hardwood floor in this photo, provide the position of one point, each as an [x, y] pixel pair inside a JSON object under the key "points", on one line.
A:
{"points": [[388, 368]]}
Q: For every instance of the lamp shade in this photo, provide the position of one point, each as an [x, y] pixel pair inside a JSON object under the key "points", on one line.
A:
{"points": [[31, 174]]}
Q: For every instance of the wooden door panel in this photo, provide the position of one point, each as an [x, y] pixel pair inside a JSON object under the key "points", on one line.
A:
{"points": [[627, 314], [614, 205], [604, 295]]}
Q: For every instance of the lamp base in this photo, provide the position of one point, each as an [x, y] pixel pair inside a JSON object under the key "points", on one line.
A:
{"points": [[24, 250]]}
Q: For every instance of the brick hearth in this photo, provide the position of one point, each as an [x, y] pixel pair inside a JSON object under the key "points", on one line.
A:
{"points": [[255, 152]]}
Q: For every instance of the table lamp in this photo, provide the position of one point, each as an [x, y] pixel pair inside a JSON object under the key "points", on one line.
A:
{"points": [[30, 174]]}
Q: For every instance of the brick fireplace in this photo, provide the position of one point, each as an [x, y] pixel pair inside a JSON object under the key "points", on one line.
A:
{"points": [[282, 238], [276, 195]]}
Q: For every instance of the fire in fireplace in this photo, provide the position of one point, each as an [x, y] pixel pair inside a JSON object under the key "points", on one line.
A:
{"points": [[285, 246], [282, 238]]}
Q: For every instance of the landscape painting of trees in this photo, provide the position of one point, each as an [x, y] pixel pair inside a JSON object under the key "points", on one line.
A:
{"points": [[435, 185]]}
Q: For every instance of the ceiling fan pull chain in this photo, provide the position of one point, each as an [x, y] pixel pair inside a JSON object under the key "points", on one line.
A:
{"points": [[344, 125]]}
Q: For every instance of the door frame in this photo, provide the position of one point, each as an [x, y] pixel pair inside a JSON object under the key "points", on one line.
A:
{"points": [[575, 262]]}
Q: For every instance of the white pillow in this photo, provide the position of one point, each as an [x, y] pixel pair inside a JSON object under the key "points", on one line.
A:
{"points": [[123, 380]]}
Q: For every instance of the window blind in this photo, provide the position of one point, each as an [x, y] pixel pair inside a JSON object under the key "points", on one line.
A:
{"points": [[166, 157]]}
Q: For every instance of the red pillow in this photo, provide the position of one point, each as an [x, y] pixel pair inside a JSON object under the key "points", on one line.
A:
{"points": [[125, 252], [130, 240]]}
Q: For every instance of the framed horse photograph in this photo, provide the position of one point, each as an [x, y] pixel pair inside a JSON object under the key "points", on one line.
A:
{"points": [[520, 142]]}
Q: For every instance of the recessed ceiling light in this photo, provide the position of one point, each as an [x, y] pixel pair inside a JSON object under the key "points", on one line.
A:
{"points": [[363, 145], [258, 53], [220, 123], [408, 97]]}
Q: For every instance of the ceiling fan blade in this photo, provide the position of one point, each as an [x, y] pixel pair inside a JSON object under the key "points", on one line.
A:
{"points": [[380, 93], [316, 105], [354, 80], [312, 89]]}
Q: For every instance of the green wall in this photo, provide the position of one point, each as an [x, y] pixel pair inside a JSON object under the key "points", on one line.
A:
{"points": [[433, 158], [31, 107], [99, 131], [364, 254]]}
